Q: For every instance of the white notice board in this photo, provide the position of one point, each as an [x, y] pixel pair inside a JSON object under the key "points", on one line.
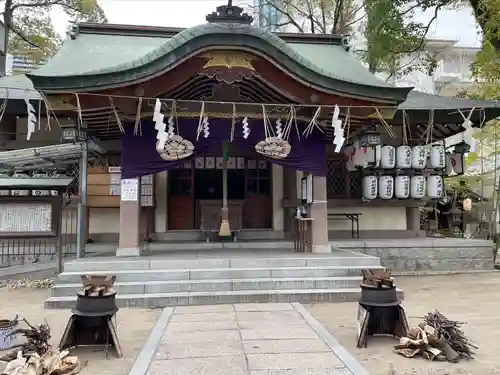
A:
{"points": [[25, 217], [130, 189]]}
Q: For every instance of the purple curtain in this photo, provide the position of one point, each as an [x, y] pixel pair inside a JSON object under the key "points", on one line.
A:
{"points": [[139, 155]]}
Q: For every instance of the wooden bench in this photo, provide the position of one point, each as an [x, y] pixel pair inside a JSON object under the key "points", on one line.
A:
{"points": [[353, 217], [210, 220]]}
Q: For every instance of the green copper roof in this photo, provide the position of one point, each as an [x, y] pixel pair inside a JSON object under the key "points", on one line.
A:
{"points": [[17, 87], [97, 60]]}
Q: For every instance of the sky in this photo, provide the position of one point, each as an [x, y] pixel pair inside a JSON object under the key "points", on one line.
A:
{"points": [[451, 24]]}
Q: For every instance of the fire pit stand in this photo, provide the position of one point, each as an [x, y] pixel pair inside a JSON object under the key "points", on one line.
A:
{"points": [[379, 309], [92, 321]]}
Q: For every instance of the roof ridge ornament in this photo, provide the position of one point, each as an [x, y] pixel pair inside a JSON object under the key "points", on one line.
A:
{"points": [[229, 14]]}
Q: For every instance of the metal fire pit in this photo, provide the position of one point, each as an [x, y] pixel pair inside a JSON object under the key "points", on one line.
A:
{"points": [[92, 321], [95, 305], [380, 313], [375, 296]]}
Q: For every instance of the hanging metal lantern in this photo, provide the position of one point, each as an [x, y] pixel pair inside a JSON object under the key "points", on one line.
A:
{"points": [[462, 147], [72, 133], [370, 187], [370, 138], [402, 187], [386, 187]]}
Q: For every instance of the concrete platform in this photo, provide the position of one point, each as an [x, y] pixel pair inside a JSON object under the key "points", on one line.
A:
{"points": [[257, 339], [220, 276]]}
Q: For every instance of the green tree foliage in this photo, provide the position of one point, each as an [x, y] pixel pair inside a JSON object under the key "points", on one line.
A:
{"points": [[388, 26], [392, 33], [30, 26], [486, 68]]}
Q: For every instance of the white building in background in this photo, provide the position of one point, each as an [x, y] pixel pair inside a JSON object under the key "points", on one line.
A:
{"points": [[266, 15], [452, 74], [19, 64]]}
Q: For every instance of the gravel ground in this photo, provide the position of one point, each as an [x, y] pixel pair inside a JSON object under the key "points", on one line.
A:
{"points": [[134, 327], [473, 298]]}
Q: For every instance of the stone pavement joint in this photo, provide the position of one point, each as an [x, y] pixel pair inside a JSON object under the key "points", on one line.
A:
{"points": [[246, 339]]}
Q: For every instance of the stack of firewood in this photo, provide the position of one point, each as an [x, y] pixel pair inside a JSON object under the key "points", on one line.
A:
{"points": [[53, 362], [437, 339], [379, 278], [97, 286], [37, 357]]}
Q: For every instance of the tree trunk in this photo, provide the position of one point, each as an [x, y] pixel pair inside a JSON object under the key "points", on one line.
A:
{"points": [[7, 16]]}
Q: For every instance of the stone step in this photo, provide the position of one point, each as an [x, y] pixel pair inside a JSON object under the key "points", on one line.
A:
{"points": [[113, 263], [176, 286], [216, 273], [157, 300], [197, 235]]}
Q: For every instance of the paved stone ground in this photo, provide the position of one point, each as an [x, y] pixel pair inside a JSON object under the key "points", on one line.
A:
{"points": [[242, 339]]}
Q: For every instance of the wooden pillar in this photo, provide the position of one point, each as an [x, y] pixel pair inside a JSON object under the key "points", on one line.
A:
{"points": [[277, 197], [130, 218], [320, 218]]}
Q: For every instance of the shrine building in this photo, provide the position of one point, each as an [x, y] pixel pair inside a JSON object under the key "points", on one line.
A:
{"points": [[225, 128]]}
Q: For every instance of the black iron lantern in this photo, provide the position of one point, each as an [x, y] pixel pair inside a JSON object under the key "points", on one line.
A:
{"points": [[461, 148], [72, 133], [370, 138]]}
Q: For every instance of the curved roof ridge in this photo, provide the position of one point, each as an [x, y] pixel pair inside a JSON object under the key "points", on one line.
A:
{"points": [[215, 28]]}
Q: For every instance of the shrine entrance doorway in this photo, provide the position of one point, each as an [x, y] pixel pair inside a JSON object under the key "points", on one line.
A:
{"points": [[195, 192]]}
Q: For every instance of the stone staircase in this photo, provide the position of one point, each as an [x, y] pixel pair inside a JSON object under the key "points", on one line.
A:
{"points": [[211, 277]]}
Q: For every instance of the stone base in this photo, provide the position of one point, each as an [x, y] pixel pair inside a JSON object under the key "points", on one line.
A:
{"points": [[321, 249], [128, 252], [427, 255]]}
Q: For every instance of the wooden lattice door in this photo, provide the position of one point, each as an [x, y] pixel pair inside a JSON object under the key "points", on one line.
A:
{"points": [[181, 206]]}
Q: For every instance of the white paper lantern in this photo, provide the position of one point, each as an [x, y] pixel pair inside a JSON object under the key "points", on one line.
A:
{"points": [[402, 187], [376, 153], [349, 153], [418, 157], [457, 162], [434, 187], [417, 187], [386, 187], [448, 169], [388, 157], [359, 157], [428, 163], [370, 187], [403, 157], [437, 157]]}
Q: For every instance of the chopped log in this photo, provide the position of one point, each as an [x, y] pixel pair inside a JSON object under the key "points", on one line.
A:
{"points": [[451, 332], [52, 362], [379, 278], [448, 352]]}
